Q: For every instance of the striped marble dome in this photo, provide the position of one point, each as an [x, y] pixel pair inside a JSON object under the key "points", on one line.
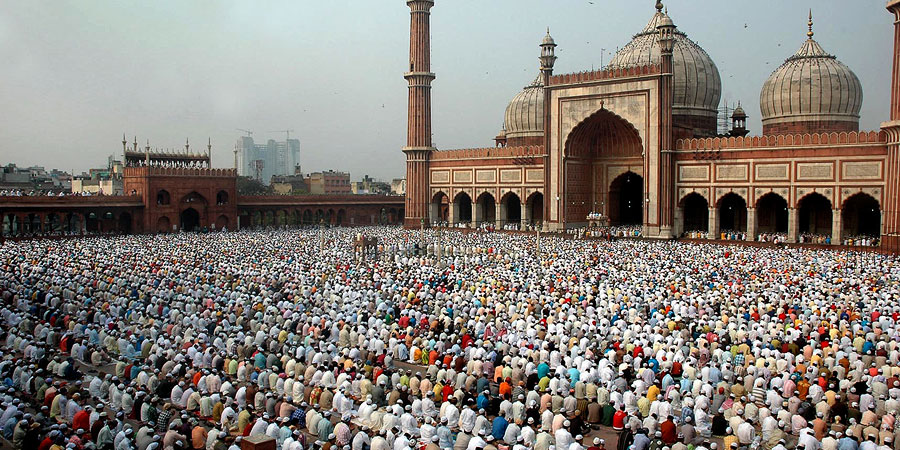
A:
{"points": [[811, 92], [525, 113], [698, 87]]}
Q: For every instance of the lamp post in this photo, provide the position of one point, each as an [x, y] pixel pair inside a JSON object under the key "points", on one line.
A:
{"points": [[647, 217], [562, 213]]}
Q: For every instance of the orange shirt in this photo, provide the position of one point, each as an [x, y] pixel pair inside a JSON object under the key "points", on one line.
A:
{"points": [[505, 389]]}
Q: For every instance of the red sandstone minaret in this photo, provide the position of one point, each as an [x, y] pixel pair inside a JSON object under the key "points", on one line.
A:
{"points": [[666, 187], [418, 141], [891, 207]]}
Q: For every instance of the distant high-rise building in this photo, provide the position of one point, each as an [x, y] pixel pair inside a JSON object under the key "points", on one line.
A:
{"points": [[263, 161]]}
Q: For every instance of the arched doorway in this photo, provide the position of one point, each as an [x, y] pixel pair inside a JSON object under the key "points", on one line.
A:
{"points": [[462, 206], [222, 198], [54, 223], [341, 217], [163, 225], [861, 216], [771, 214], [190, 220], [815, 214], [487, 210], [92, 223], [125, 223], [732, 213], [307, 217], [72, 224], [109, 222], [440, 208], [511, 210], [592, 148], [222, 222], [626, 203], [695, 210], [534, 208], [33, 224], [12, 225]]}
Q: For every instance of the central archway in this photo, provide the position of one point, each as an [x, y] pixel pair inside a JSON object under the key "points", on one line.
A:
{"points": [[626, 202], [771, 214], [511, 209], [440, 208], [534, 208], [696, 213], [732, 213], [190, 220], [595, 151], [486, 213], [861, 216], [815, 214], [462, 206]]}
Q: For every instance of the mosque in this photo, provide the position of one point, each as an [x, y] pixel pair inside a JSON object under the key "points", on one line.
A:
{"points": [[636, 143]]}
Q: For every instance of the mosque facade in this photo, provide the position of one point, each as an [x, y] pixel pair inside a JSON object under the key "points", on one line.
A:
{"points": [[636, 143]]}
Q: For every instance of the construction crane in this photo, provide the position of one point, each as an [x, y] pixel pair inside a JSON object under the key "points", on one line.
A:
{"points": [[286, 132], [249, 133]]}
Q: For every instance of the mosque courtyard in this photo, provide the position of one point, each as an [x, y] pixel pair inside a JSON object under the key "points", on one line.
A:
{"points": [[447, 339]]}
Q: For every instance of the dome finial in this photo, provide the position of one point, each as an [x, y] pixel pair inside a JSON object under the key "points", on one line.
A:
{"points": [[810, 33], [659, 5]]}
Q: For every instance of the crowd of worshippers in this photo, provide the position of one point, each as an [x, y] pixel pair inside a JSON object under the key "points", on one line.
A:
{"points": [[496, 342]]}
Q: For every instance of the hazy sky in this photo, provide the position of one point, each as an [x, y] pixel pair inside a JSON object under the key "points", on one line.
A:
{"points": [[77, 74]]}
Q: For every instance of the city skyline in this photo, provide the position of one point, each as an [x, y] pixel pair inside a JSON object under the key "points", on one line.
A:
{"points": [[336, 77]]}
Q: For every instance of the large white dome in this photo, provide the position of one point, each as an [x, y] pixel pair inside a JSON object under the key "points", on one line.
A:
{"points": [[525, 113], [698, 87], [811, 92]]}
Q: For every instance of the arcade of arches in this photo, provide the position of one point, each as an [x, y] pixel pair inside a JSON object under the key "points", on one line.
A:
{"points": [[66, 223], [860, 215], [191, 213], [486, 210]]}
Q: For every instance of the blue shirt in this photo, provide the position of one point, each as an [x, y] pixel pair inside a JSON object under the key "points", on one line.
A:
{"points": [[499, 428], [846, 443], [542, 370]]}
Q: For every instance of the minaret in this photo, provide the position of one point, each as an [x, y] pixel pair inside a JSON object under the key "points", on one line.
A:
{"points": [[418, 140], [209, 153], [666, 187], [891, 206], [547, 59]]}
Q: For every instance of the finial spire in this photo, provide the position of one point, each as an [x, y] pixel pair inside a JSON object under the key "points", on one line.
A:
{"points": [[659, 5], [810, 33]]}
